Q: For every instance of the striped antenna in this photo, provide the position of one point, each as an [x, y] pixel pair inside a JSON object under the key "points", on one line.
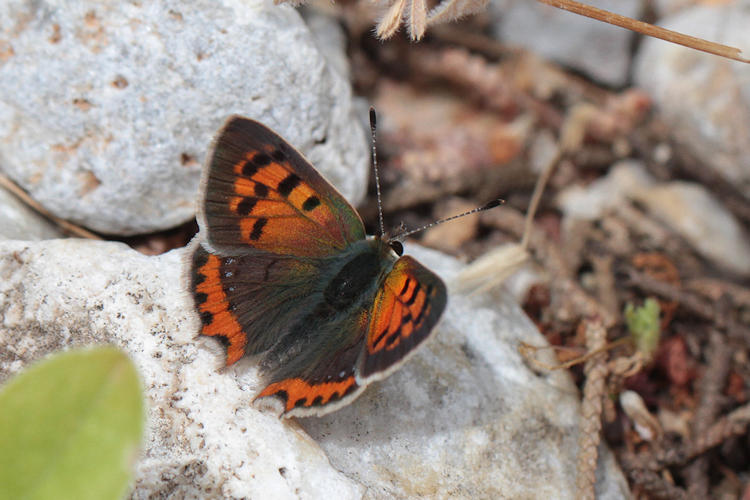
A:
{"points": [[373, 120], [492, 204]]}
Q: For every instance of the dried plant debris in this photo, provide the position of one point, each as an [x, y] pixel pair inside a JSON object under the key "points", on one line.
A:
{"points": [[460, 126]]}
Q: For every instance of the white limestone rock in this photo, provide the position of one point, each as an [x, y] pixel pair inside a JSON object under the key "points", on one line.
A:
{"points": [[687, 208], [600, 50], [107, 108], [624, 180], [704, 99], [693, 212], [19, 222], [464, 418]]}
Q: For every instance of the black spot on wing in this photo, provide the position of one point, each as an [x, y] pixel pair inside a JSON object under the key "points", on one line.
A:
{"points": [[249, 169], [311, 203], [261, 160], [414, 292], [406, 286], [257, 231], [393, 338], [261, 190], [206, 317], [279, 155], [245, 207], [290, 182]]}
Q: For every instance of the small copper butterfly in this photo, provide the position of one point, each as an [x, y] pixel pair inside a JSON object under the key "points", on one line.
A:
{"points": [[283, 269]]}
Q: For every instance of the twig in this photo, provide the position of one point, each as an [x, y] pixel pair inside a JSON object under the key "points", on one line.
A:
{"points": [[605, 282], [591, 408], [536, 196], [693, 304], [655, 485], [733, 424], [710, 386], [28, 200], [526, 351], [649, 29]]}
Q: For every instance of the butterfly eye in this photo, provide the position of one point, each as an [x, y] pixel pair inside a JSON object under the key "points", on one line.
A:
{"points": [[397, 247]]}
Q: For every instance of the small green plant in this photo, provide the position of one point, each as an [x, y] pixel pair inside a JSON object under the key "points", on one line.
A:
{"points": [[71, 426], [644, 325]]}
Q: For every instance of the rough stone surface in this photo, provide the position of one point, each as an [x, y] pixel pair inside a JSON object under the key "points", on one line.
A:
{"points": [[705, 99], [694, 213], [107, 108], [600, 50], [464, 418], [591, 202], [687, 208], [19, 222]]}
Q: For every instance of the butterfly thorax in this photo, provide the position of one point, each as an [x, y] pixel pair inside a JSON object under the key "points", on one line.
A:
{"points": [[365, 265], [339, 312]]}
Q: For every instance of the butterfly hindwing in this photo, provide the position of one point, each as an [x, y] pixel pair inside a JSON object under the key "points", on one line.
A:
{"points": [[262, 193], [406, 308], [312, 371], [247, 300]]}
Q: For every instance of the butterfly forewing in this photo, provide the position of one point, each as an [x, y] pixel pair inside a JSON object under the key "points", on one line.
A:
{"points": [[406, 308], [262, 193]]}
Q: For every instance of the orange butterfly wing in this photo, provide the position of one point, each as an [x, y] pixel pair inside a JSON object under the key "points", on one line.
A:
{"points": [[406, 308], [262, 193]]}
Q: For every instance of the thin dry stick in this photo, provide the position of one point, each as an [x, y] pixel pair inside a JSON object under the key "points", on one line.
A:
{"points": [[536, 197], [733, 424], [28, 200], [527, 351], [655, 485], [710, 385], [648, 29], [591, 409]]}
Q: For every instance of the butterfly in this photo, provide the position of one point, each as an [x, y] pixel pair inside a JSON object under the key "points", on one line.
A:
{"points": [[282, 268]]}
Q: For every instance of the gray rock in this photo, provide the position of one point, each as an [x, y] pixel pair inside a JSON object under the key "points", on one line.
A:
{"points": [[20, 222], [693, 212], [625, 179], [687, 208], [600, 50], [107, 108], [464, 418], [704, 99]]}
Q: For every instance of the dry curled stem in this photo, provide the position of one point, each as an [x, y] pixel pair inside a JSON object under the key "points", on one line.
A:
{"points": [[591, 408]]}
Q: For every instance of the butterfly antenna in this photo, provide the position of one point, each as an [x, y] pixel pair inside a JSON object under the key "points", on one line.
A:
{"points": [[373, 120], [492, 204]]}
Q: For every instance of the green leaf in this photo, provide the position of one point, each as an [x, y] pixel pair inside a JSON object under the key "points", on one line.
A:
{"points": [[644, 325], [70, 427]]}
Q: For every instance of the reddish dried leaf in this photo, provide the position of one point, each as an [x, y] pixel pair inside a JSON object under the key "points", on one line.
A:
{"points": [[673, 359]]}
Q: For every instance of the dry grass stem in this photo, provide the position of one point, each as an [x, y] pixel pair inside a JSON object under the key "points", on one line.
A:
{"points": [[417, 19], [390, 22], [648, 29], [66, 226]]}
